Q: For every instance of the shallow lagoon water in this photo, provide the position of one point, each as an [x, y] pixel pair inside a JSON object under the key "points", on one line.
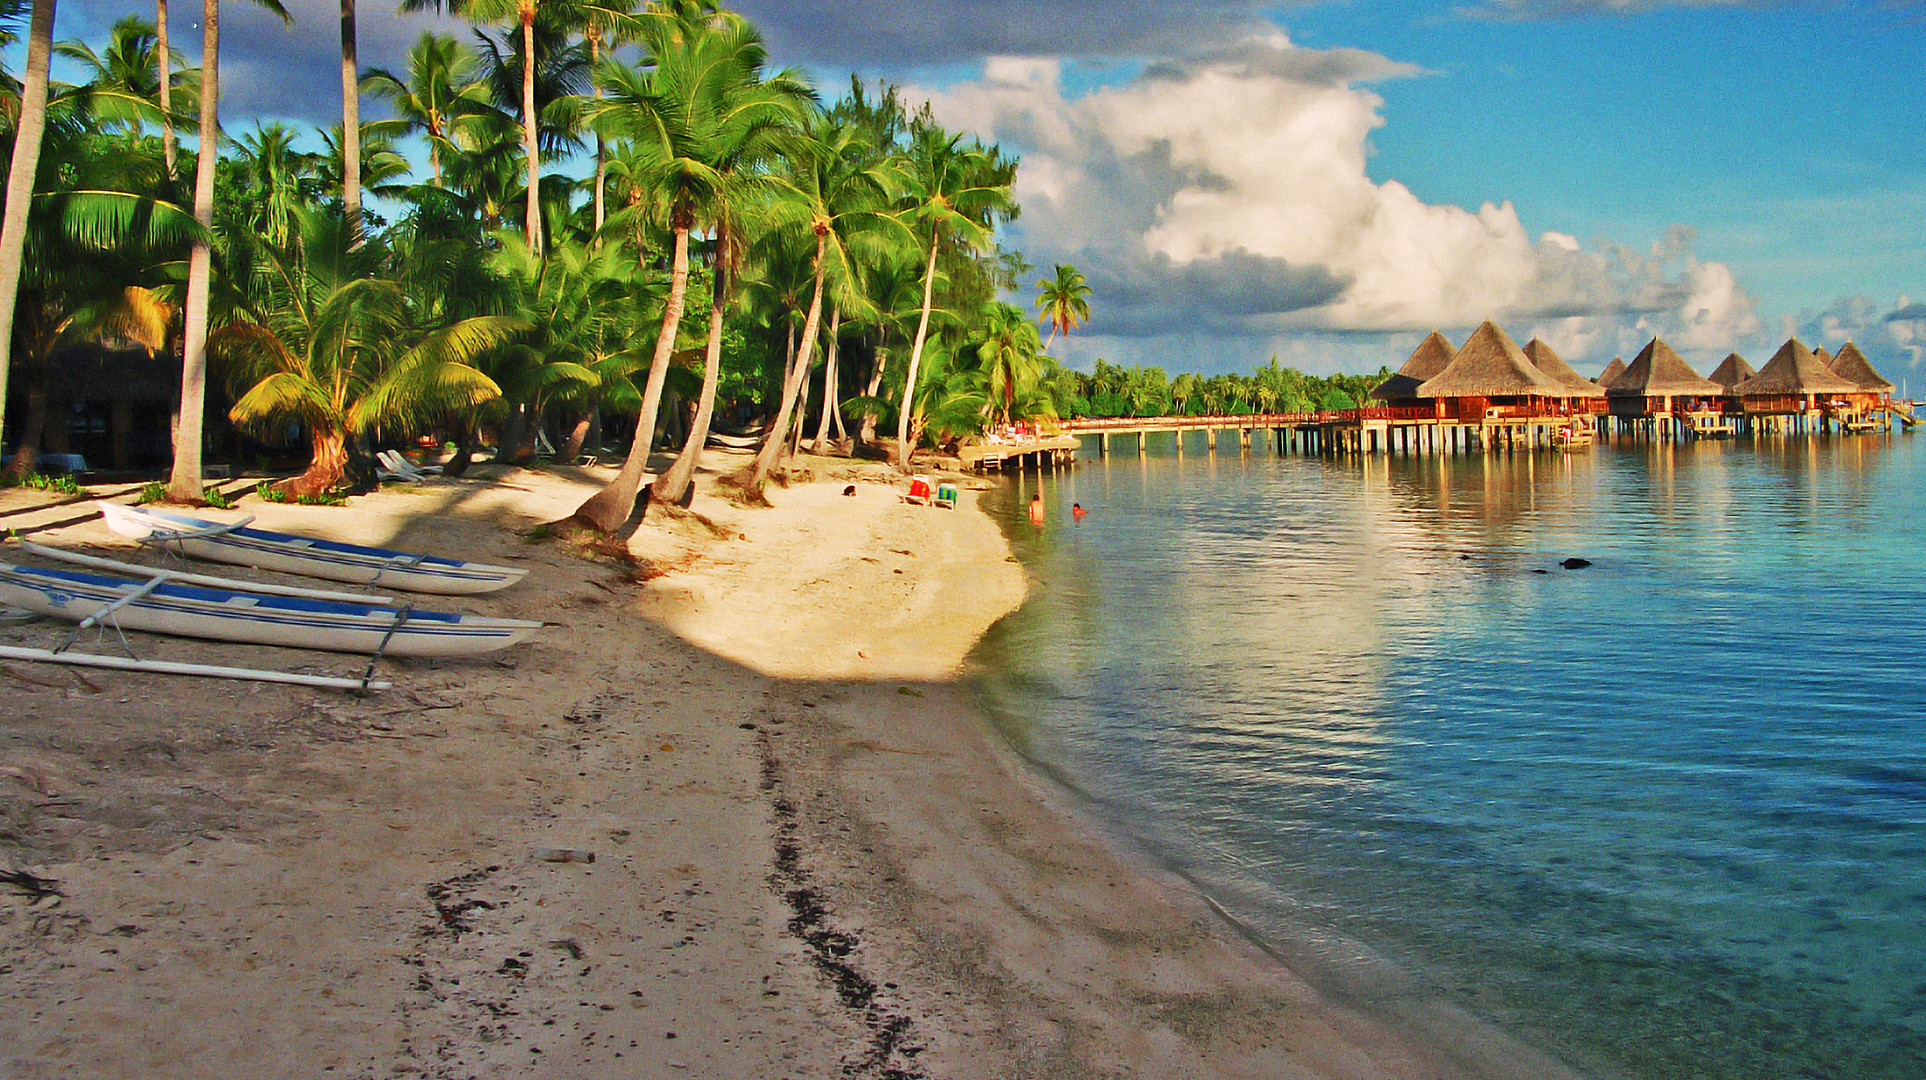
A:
{"points": [[1663, 816]]}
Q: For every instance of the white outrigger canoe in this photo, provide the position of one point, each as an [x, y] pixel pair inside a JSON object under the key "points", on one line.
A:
{"points": [[166, 606], [234, 542]]}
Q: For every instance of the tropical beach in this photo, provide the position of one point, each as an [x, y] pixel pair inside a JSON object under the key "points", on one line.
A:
{"points": [[661, 838], [577, 538]]}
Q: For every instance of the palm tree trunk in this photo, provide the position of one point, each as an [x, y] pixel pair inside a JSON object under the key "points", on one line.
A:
{"points": [[601, 145], [530, 144], [772, 444], [675, 485], [184, 483], [350, 121], [916, 360], [832, 381], [326, 467], [829, 382], [867, 434], [20, 176], [609, 508], [167, 108]]}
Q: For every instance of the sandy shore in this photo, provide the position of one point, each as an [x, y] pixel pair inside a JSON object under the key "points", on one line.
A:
{"points": [[811, 857]]}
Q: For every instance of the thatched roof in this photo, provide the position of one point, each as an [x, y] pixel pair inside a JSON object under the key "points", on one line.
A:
{"points": [[1611, 373], [1733, 371], [1431, 356], [1852, 364], [1490, 365], [1794, 369], [1824, 356], [1570, 383], [1660, 372]]}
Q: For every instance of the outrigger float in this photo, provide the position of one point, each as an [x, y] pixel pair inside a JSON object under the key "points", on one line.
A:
{"points": [[220, 609], [234, 542]]}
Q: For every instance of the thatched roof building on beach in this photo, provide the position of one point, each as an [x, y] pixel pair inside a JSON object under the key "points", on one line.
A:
{"points": [[1432, 356], [1851, 364], [1794, 380], [1489, 371], [1574, 387], [1732, 371], [1660, 382], [1611, 373]]}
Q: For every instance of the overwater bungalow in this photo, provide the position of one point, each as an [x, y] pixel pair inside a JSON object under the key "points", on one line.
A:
{"points": [[1660, 388], [1432, 356], [1794, 388], [1490, 378], [1732, 371], [1874, 390], [1611, 373], [1580, 395]]}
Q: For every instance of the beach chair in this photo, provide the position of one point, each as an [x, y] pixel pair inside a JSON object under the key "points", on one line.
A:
{"points": [[945, 496], [395, 467], [919, 491]]}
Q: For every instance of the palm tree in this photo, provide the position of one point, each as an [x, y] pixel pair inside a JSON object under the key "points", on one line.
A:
{"points": [[682, 119], [278, 176], [1063, 302], [1011, 360], [440, 89], [21, 174], [836, 195], [184, 481], [325, 343], [959, 191], [350, 118]]}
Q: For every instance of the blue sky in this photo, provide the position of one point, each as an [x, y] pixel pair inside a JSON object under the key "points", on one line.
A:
{"points": [[1326, 181]]}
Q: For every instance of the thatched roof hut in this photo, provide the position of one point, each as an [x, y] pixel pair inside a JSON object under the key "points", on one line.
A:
{"points": [[1490, 365], [1852, 364], [1732, 371], [1611, 373], [1432, 355], [1571, 384], [1824, 356], [1795, 370], [1660, 372]]}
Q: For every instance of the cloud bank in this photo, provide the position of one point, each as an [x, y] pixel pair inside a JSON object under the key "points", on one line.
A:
{"points": [[1228, 191]]}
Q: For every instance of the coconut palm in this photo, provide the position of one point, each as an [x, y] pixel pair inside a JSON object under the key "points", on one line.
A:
{"points": [[280, 179], [958, 192], [184, 481], [1063, 302], [21, 174], [439, 90], [323, 342], [1011, 359], [682, 120], [834, 198]]}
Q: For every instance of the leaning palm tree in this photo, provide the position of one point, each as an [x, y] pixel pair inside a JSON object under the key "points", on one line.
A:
{"points": [[1063, 302], [184, 481], [836, 196], [958, 193], [680, 120], [324, 343]]}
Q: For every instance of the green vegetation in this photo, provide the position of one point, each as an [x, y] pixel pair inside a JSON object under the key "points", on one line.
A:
{"points": [[745, 253]]}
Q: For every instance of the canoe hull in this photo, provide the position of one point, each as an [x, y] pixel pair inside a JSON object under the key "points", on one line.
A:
{"points": [[220, 615], [310, 557]]}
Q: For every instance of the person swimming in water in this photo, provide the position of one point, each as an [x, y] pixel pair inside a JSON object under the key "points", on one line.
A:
{"points": [[1036, 509], [1077, 511]]}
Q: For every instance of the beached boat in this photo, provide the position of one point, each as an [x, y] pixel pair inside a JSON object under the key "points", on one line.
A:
{"points": [[234, 542], [158, 605]]}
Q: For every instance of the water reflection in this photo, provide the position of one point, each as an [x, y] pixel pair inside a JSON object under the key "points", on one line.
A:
{"points": [[1340, 695]]}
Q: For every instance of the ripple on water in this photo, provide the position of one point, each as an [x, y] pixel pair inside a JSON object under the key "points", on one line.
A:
{"points": [[1661, 816]]}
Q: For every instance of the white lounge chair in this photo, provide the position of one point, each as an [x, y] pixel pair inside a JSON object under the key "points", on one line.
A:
{"points": [[395, 467]]}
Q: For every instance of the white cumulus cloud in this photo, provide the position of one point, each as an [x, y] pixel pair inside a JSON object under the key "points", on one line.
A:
{"points": [[1230, 190]]}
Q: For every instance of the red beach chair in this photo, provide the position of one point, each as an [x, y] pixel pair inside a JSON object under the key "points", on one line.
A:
{"points": [[919, 491]]}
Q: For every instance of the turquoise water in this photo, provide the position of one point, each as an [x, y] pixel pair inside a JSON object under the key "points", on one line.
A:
{"points": [[1664, 816]]}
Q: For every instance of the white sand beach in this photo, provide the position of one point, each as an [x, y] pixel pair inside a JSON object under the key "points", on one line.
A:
{"points": [[739, 820]]}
